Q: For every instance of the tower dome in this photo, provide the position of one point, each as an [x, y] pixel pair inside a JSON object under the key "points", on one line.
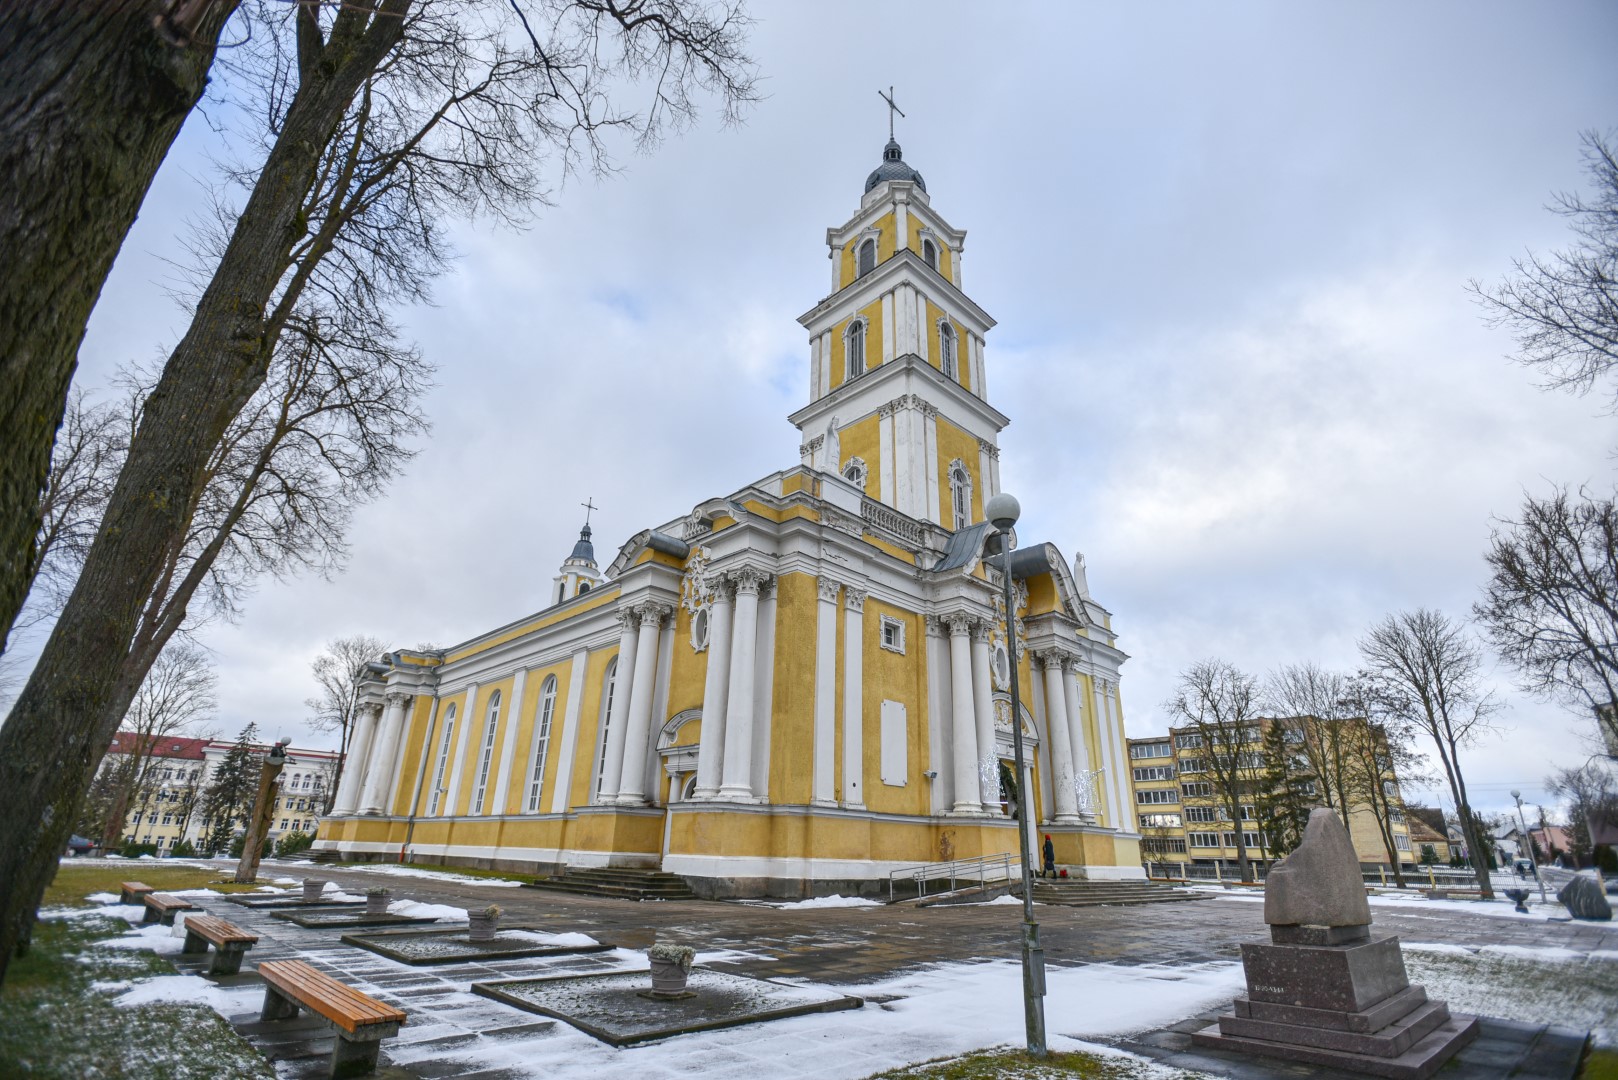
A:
{"points": [[579, 573], [893, 167]]}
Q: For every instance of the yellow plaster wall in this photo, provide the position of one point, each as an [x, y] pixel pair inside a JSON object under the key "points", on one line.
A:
{"points": [[934, 353], [584, 762], [474, 745], [863, 439], [887, 229], [596, 598], [873, 342], [688, 670], [891, 676], [415, 743], [528, 719], [792, 730], [1042, 594], [954, 442]]}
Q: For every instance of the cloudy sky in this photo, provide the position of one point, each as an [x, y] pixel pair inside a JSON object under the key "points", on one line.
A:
{"points": [[1227, 248]]}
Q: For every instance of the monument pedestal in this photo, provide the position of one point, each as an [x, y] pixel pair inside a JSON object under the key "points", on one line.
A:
{"points": [[1349, 1006]]}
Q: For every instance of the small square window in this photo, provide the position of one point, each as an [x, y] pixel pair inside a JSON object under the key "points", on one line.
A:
{"points": [[893, 634]]}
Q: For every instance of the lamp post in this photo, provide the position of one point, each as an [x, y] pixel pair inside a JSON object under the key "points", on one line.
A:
{"points": [[1002, 511], [1517, 795]]}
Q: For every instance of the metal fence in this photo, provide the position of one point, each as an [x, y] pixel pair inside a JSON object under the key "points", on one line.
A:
{"points": [[959, 873]]}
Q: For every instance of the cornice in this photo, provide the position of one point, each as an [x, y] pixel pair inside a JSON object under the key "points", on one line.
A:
{"points": [[902, 265], [892, 371]]}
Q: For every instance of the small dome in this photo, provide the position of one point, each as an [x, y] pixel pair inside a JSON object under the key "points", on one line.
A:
{"points": [[584, 549], [893, 167]]}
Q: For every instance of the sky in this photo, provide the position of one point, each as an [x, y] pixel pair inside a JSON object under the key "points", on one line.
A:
{"points": [[1227, 248]]}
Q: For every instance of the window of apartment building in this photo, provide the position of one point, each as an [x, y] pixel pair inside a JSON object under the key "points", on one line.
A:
{"points": [[1155, 772], [1162, 845], [1396, 815], [1193, 764], [1202, 814], [1150, 750], [1203, 839], [1187, 742], [1250, 761], [1250, 840], [1248, 814], [1163, 795], [283, 824], [1159, 821], [1401, 841], [1305, 787], [1200, 789]]}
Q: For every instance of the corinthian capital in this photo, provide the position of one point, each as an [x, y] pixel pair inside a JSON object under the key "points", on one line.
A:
{"points": [[398, 699], [828, 590], [854, 598], [748, 579], [653, 611]]}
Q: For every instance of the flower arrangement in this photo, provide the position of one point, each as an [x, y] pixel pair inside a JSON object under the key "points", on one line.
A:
{"points": [[683, 955], [378, 890], [492, 911]]}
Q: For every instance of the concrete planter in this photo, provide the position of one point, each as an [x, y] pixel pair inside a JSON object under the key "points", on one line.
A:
{"points": [[668, 977], [376, 902], [482, 927], [312, 888]]}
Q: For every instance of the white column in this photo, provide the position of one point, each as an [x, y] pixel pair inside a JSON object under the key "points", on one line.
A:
{"points": [[824, 790], [359, 747], [612, 763], [508, 762], [570, 732], [955, 264], [884, 488], [737, 781], [815, 360], [964, 755], [1114, 811], [924, 332], [835, 254], [384, 747], [763, 688], [825, 363], [854, 698], [940, 719], [1030, 826], [930, 463], [711, 751], [1115, 739], [888, 329], [632, 777], [1059, 738], [1077, 745], [901, 221], [983, 710]]}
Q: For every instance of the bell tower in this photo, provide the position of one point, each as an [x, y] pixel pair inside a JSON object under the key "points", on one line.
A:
{"points": [[898, 403]]}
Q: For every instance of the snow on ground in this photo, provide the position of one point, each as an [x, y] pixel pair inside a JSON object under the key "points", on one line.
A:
{"points": [[1414, 902], [462, 879], [554, 940], [833, 901], [1534, 985], [103, 898], [1000, 901], [153, 937], [191, 990], [133, 913], [426, 911]]}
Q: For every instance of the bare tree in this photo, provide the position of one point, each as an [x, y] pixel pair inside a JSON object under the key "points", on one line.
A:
{"points": [[337, 672], [382, 120], [1324, 703], [1426, 671], [1563, 308], [1379, 750], [1591, 795], [177, 698], [1550, 607], [1219, 706], [91, 97]]}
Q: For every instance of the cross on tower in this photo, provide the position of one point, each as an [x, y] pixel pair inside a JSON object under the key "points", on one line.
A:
{"points": [[892, 108], [589, 505]]}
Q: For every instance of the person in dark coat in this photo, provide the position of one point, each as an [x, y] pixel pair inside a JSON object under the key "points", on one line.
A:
{"points": [[1050, 857]]}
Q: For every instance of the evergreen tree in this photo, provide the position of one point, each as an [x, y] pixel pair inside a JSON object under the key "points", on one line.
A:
{"points": [[229, 797], [1281, 799]]}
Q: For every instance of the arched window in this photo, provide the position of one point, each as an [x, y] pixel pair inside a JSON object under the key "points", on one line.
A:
{"points": [[867, 257], [609, 684], [584, 587], [929, 253], [854, 349], [856, 472], [486, 758], [443, 760], [960, 491], [542, 741], [946, 350]]}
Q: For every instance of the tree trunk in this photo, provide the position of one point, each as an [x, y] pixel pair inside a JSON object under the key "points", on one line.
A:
{"points": [[91, 98], [58, 729]]}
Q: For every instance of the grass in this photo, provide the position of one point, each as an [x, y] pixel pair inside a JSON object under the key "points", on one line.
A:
{"points": [[995, 1064], [55, 1023], [75, 881]]}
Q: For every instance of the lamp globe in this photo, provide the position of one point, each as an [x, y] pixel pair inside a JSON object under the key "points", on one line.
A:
{"points": [[1002, 511]]}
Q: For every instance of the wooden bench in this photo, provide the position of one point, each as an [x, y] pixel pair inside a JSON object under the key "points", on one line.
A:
{"points": [[359, 1022], [230, 942], [133, 892], [161, 907]]}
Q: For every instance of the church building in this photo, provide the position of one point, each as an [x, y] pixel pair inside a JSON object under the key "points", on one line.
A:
{"points": [[796, 688]]}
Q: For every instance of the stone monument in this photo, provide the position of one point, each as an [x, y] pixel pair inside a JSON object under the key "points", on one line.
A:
{"points": [[1323, 990]]}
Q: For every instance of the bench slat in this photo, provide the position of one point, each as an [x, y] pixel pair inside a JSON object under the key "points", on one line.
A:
{"points": [[163, 902], [343, 1005], [217, 930]]}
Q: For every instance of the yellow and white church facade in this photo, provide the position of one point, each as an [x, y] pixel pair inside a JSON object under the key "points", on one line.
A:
{"points": [[797, 688]]}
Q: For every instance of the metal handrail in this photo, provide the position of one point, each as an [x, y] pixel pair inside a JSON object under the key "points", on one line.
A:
{"points": [[954, 871]]}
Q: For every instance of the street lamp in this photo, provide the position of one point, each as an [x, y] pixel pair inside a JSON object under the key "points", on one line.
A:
{"points": [[1517, 795], [1002, 511]]}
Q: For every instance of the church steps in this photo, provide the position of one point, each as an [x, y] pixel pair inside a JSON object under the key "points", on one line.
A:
{"points": [[622, 883], [1095, 893]]}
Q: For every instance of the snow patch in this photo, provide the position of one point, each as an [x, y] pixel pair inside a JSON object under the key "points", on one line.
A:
{"points": [[192, 990], [559, 941], [463, 879], [1439, 947], [417, 910], [103, 898], [833, 901], [154, 937], [1533, 952]]}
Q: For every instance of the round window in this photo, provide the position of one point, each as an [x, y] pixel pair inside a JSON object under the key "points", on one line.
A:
{"points": [[1002, 667], [699, 629]]}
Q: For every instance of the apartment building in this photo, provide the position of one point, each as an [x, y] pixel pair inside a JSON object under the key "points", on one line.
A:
{"points": [[169, 801], [1186, 830]]}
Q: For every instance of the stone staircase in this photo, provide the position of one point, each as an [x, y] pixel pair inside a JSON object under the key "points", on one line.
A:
{"points": [[623, 883], [1073, 892]]}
